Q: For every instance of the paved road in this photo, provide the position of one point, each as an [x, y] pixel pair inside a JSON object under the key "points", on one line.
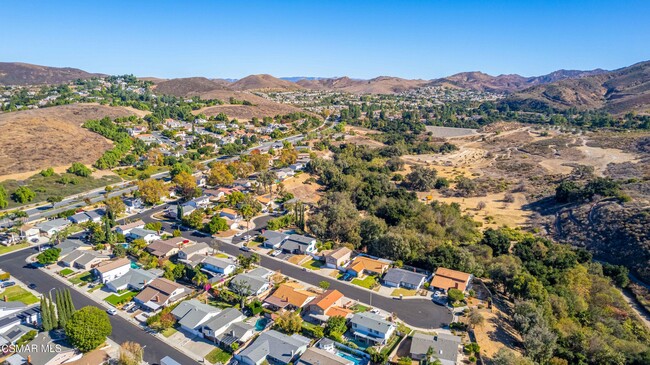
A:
{"points": [[123, 330], [422, 313]]}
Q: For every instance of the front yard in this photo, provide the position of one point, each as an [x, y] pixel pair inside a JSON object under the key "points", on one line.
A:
{"points": [[7, 249], [18, 294], [83, 278], [313, 264], [405, 292], [65, 272], [218, 356], [118, 299], [368, 282]]}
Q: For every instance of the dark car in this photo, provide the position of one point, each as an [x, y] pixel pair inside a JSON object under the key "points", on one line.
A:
{"points": [[32, 286]]}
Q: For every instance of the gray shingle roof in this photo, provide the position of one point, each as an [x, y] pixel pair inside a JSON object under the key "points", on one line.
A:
{"points": [[223, 319], [254, 282], [372, 321], [191, 313], [276, 345], [134, 278], [404, 276], [445, 346]]}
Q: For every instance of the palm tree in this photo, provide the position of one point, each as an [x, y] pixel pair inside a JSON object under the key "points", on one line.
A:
{"points": [[247, 213], [200, 279]]}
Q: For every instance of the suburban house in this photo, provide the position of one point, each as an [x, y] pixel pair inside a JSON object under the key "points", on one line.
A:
{"points": [[133, 205], [328, 304], [160, 293], [445, 279], [201, 202], [285, 173], [29, 232], [266, 201], [445, 347], [89, 216], [218, 265], [289, 296], [317, 356], [64, 352], [192, 314], [83, 259], [71, 245], [337, 258], [146, 234], [125, 229], [51, 227], [229, 213], [299, 244], [218, 329], [113, 269], [162, 249], [198, 248], [400, 278], [273, 239], [256, 280], [275, 348], [372, 328], [363, 265], [134, 279]]}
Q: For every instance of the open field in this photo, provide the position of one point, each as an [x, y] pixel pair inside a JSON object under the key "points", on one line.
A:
{"points": [[32, 140], [45, 187], [308, 192], [448, 132], [261, 107]]}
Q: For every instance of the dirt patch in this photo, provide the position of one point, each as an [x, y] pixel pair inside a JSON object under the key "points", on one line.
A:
{"points": [[308, 192], [32, 140]]}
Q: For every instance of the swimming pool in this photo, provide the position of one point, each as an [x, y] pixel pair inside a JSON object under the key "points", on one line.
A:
{"points": [[260, 324], [134, 265], [356, 360]]}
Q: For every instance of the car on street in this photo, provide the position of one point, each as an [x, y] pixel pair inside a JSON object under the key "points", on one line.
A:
{"points": [[32, 286], [111, 311], [245, 248], [34, 240], [237, 234]]}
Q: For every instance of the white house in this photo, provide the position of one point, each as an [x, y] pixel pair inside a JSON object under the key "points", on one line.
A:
{"points": [[198, 248], [372, 328], [51, 227], [146, 234], [125, 229], [218, 329], [111, 270], [218, 265]]}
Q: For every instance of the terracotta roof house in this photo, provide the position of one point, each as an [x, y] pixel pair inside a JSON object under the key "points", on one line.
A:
{"points": [[337, 258], [160, 293], [327, 305], [289, 295], [445, 279], [363, 265]]}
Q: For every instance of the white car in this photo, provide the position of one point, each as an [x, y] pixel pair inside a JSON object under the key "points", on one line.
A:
{"points": [[238, 234], [111, 311]]}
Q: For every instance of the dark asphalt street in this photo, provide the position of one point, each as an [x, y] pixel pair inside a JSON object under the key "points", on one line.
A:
{"points": [[422, 313], [123, 330]]}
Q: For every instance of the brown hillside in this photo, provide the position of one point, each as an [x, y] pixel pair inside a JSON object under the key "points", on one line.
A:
{"points": [[40, 138], [378, 85], [189, 86], [264, 82], [261, 107], [618, 91], [16, 73]]}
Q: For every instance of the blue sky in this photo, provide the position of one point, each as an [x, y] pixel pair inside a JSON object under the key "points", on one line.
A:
{"points": [[363, 39]]}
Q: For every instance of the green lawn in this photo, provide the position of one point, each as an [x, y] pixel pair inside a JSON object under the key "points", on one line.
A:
{"points": [[218, 355], [65, 272], [18, 294], [368, 282], [313, 264], [45, 187], [97, 287], [131, 173], [359, 308], [168, 331], [222, 255], [7, 249], [125, 297], [83, 278]]}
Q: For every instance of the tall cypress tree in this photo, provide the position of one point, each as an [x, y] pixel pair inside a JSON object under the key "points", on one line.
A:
{"points": [[71, 308], [45, 315], [53, 318], [60, 309]]}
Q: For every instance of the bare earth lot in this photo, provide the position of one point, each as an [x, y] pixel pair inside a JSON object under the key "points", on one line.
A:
{"points": [[32, 140]]}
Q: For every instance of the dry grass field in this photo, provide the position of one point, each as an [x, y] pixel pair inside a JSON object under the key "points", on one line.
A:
{"points": [[306, 192], [32, 140]]}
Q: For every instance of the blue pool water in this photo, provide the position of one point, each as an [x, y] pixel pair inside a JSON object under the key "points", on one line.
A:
{"points": [[134, 265], [260, 324], [354, 359]]}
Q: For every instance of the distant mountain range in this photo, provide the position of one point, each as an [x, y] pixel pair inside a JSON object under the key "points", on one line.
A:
{"points": [[617, 91]]}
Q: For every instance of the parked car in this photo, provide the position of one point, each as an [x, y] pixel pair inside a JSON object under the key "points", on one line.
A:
{"points": [[7, 284], [111, 311], [32, 286], [245, 248]]}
